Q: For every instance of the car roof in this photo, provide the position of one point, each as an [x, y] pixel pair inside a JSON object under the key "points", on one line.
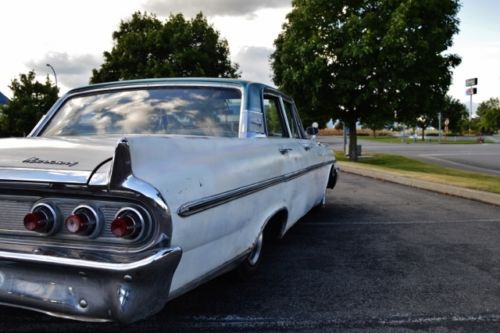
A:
{"points": [[160, 81]]}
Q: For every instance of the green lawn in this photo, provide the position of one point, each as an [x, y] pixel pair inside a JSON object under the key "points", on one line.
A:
{"points": [[416, 169]]}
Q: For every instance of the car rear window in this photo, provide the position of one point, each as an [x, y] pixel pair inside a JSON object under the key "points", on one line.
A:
{"points": [[208, 111]]}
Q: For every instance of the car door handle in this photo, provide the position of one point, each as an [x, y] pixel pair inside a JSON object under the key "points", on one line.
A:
{"points": [[284, 150], [307, 147]]}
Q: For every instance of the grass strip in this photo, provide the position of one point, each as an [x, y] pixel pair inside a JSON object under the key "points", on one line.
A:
{"points": [[411, 168]]}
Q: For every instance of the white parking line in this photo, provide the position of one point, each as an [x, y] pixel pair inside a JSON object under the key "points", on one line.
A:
{"points": [[461, 165], [239, 321], [375, 222]]}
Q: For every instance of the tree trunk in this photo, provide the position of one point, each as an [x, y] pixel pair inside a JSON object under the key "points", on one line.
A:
{"points": [[423, 133], [353, 142]]}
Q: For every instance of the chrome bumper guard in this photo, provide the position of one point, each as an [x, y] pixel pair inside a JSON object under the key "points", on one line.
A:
{"points": [[88, 290]]}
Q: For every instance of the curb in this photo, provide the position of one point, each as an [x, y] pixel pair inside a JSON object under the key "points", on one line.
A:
{"points": [[485, 197]]}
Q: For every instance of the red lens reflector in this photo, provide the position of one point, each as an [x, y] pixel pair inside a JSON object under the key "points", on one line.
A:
{"points": [[76, 223], [35, 221], [122, 226]]}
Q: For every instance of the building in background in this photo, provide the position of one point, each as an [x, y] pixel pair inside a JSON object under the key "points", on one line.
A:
{"points": [[3, 99]]}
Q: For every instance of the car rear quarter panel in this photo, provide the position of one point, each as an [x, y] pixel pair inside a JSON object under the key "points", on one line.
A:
{"points": [[188, 169]]}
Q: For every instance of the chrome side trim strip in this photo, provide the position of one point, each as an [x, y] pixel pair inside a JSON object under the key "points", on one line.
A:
{"points": [[95, 265], [197, 206]]}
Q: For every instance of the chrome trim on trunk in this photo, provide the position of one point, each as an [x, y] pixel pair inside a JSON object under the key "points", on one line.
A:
{"points": [[44, 175]]}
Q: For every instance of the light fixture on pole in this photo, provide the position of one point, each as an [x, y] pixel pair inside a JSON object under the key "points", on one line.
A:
{"points": [[54, 71]]}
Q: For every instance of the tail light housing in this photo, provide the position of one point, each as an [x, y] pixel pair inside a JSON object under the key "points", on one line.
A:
{"points": [[42, 219], [84, 220], [128, 223], [109, 222]]}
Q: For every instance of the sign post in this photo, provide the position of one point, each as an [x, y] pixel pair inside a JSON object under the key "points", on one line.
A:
{"points": [[471, 91], [439, 121], [446, 123], [344, 133]]}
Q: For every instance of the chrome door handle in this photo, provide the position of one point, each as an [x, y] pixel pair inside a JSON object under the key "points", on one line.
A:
{"points": [[284, 151]]}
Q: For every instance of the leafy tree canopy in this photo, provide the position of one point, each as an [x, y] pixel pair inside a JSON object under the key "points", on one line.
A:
{"points": [[351, 60], [31, 100], [456, 113], [144, 47], [375, 123], [489, 115]]}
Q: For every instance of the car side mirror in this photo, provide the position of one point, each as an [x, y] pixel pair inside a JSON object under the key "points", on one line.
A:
{"points": [[312, 130]]}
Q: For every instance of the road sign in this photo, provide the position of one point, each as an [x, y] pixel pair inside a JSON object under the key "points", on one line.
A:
{"points": [[471, 82], [471, 91]]}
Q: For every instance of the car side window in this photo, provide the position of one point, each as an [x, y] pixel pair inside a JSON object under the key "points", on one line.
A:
{"points": [[292, 123], [274, 121]]}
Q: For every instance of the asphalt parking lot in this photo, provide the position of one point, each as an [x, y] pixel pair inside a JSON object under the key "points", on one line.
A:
{"points": [[379, 257]]}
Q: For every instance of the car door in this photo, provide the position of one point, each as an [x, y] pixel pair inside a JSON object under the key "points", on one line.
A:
{"points": [[311, 183], [296, 154], [278, 134]]}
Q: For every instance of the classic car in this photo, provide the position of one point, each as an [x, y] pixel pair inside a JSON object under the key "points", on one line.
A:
{"points": [[128, 194]]}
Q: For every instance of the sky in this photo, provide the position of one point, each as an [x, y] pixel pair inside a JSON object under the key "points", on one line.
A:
{"points": [[72, 35]]}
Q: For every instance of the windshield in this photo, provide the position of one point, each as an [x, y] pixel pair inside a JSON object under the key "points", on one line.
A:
{"points": [[210, 111]]}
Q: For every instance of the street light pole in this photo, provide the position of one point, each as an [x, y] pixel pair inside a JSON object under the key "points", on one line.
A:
{"points": [[439, 121], [54, 71]]}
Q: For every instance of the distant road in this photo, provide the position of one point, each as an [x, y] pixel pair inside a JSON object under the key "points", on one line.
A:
{"points": [[471, 157]]}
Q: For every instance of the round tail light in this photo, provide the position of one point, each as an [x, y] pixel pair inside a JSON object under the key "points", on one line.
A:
{"points": [[42, 218], [128, 223], [83, 220], [35, 221]]}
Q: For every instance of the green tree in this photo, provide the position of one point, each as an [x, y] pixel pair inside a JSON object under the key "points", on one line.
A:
{"points": [[31, 100], [456, 113], [374, 123], [489, 115], [144, 47], [423, 122], [364, 58]]}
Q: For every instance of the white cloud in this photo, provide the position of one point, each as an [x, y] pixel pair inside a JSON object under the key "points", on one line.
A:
{"points": [[73, 40], [254, 64], [33, 29], [212, 7], [72, 70]]}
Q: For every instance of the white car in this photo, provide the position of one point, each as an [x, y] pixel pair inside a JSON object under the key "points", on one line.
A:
{"points": [[128, 194]]}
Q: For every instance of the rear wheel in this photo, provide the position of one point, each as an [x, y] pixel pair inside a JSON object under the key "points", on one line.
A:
{"points": [[272, 232], [248, 267], [319, 206]]}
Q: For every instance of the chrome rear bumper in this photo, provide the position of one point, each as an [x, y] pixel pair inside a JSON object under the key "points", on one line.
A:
{"points": [[88, 290]]}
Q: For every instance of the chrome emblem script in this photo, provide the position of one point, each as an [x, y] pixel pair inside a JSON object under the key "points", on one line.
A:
{"points": [[37, 160]]}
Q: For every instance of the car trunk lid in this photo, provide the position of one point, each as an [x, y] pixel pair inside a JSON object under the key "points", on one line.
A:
{"points": [[64, 160]]}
